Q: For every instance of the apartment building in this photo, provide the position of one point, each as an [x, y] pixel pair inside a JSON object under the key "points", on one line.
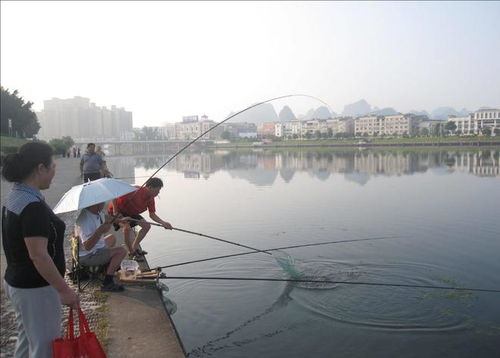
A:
{"points": [[465, 125], [266, 129], [477, 122], [192, 127], [396, 125], [82, 120], [368, 125], [486, 119]]}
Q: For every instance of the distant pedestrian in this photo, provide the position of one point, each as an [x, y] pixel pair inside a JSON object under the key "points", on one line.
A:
{"points": [[92, 166], [68, 152], [78, 152], [74, 152]]}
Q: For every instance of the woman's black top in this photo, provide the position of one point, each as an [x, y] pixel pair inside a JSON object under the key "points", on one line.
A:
{"points": [[35, 219]]}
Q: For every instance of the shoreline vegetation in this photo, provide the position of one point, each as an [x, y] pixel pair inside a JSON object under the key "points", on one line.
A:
{"points": [[368, 142]]}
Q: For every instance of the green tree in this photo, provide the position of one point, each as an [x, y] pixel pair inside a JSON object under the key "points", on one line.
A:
{"points": [[450, 126], [226, 135], [61, 145], [436, 130], [23, 119], [486, 131], [150, 133]]}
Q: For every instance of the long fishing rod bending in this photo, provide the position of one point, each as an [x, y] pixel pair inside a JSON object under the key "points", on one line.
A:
{"points": [[228, 118], [359, 283], [207, 236]]}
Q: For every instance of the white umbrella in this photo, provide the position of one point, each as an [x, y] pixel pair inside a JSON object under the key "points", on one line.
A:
{"points": [[91, 193]]}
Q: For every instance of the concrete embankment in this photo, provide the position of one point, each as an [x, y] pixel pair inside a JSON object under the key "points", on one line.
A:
{"points": [[132, 323]]}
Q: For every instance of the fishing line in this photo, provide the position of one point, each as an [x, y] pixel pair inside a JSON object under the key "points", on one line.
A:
{"points": [[359, 283], [277, 249]]}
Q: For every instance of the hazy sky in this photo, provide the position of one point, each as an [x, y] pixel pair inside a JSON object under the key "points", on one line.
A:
{"points": [[163, 60]]}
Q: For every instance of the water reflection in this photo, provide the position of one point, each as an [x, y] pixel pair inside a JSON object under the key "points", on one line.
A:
{"points": [[262, 167]]}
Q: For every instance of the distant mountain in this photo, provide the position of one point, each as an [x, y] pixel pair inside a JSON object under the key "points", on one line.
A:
{"points": [[309, 115], [356, 109], [464, 112], [323, 113], [318, 113], [286, 114], [442, 113], [384, 112], [263, 113], [420, 113]]}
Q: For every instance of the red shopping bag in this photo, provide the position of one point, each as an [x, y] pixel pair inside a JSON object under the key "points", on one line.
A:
{"points": [[84, 346]]}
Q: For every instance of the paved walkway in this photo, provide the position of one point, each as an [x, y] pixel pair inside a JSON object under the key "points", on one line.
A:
{"points": [[133, 323]]}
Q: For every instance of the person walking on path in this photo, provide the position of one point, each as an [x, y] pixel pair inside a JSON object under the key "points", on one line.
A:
{"points": [[33, 238], [132, 205], [97, 249], [78, 152], [92, 165]]}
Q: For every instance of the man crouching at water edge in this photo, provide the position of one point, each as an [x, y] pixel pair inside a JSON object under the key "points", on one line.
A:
{"points": [[132, 205], [97, 249]]}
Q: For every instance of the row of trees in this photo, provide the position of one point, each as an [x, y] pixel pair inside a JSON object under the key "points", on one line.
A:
{"points": [[17, 117], [61, 145], [19, 120]]}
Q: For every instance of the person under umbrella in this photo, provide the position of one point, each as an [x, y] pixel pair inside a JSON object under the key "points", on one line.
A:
{"points": [[97, 249]]}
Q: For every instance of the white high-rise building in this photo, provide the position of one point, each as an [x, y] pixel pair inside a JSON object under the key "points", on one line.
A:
{"points": [[82, 120]]}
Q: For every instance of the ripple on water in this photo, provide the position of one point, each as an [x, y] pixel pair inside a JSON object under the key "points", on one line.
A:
{"points": [[383, 308]]}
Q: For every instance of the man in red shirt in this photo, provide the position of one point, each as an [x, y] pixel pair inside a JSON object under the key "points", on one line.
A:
{"points": [[132, 205]]}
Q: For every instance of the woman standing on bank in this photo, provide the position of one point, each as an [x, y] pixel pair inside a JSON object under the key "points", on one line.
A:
{"points": [[33, 238]]}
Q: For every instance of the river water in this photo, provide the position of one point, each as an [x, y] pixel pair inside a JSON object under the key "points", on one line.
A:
{"points": [[432, 217]]}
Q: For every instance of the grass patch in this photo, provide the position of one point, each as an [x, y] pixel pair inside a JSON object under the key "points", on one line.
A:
{"points": [[367, 142], [11, 142]]}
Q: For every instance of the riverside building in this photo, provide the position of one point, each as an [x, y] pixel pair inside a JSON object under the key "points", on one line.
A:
{"points": [[478, 122], [396, 125], [82, 120]]}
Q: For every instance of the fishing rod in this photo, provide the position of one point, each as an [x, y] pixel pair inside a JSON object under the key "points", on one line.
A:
{"points": [[359, 283], [200, 234], [277, 249], [218, 124], [228, 118]]}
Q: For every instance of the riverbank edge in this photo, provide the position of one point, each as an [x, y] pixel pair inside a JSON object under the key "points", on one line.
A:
{"points": [[355, 145], [138, 304]]}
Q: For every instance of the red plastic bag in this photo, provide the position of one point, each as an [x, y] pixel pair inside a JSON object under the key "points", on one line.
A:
{"points": [[84, 346]]}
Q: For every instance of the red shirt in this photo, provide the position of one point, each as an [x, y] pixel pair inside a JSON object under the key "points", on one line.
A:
{"points": [[135, 202]]}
